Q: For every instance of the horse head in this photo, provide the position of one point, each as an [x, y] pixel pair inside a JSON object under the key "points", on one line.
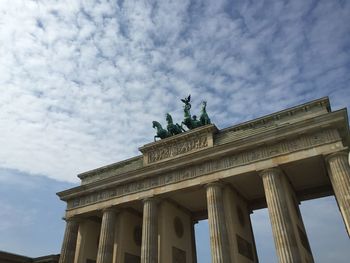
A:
{"points": [[168, 118], [156, 124]]}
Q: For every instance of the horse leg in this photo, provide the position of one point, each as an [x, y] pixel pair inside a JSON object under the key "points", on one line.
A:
{"points": [[181, 126], [189, 126]]}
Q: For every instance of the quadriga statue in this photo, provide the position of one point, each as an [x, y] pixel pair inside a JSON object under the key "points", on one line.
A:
{"points": [[191, 122]]}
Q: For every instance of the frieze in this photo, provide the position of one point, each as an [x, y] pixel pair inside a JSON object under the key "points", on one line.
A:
{"points": [[179, 148], [178, 145], [230, 161]]}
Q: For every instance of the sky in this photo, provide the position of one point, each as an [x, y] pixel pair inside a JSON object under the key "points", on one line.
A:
{"points": [[81, 82]]}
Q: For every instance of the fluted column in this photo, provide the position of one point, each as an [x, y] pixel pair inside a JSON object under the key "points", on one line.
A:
{"points": [[217, 225], [149, 248], [339, 174], [69, 241], [105, 246], [281, 222]]}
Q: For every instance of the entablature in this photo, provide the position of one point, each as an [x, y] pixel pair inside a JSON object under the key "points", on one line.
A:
{"points": [[281, 140]]}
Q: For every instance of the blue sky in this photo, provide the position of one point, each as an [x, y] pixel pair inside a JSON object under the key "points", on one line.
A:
{"points": [[81, 82]]}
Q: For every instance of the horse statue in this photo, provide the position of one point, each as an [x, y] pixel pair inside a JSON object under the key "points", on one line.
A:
{"points": [[172, 128], [188, 121], [204, 118], [161, 133]]}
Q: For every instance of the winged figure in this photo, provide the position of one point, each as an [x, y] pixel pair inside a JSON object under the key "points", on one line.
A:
{"points": [[187, 101]]}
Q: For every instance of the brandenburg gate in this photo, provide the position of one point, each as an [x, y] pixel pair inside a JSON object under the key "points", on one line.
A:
{"points": [[144, 209]]}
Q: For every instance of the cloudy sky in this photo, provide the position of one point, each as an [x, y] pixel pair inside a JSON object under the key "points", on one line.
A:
{"points": [[81, 82]]}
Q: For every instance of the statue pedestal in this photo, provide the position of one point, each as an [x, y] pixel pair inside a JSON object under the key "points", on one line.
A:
{"points": [[178, 145]]}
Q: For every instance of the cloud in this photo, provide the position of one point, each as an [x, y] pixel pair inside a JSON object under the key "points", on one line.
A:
{"points": [[81, 81]]}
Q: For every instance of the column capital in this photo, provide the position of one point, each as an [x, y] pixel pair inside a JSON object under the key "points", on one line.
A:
{"points": [[74, 219], [151, 198], [275, 170], [337, 155], [215, 183], [110, 209]]}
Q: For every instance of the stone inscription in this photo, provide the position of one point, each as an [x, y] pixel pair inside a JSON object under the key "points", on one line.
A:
{"points": [[177, 148], [238, 159]]}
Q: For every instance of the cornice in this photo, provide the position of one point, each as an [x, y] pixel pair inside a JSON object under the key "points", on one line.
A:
{"points": [[324, 102], [109, 167]]}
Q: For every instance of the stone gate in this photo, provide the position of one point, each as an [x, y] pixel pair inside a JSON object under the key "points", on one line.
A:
{"points": [[144, 209]]}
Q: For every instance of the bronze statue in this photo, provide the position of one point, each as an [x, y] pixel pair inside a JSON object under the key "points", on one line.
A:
{"points": [[172, 128], [191, 122], [187, 116], [187, 101], [161, 133], [204, 118]]}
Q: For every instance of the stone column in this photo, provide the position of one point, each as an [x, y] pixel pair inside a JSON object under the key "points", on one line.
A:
{"points": [[149, 247], [339, 174], [106, 243], [69, 241], [220, 252], [281, 222]]}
